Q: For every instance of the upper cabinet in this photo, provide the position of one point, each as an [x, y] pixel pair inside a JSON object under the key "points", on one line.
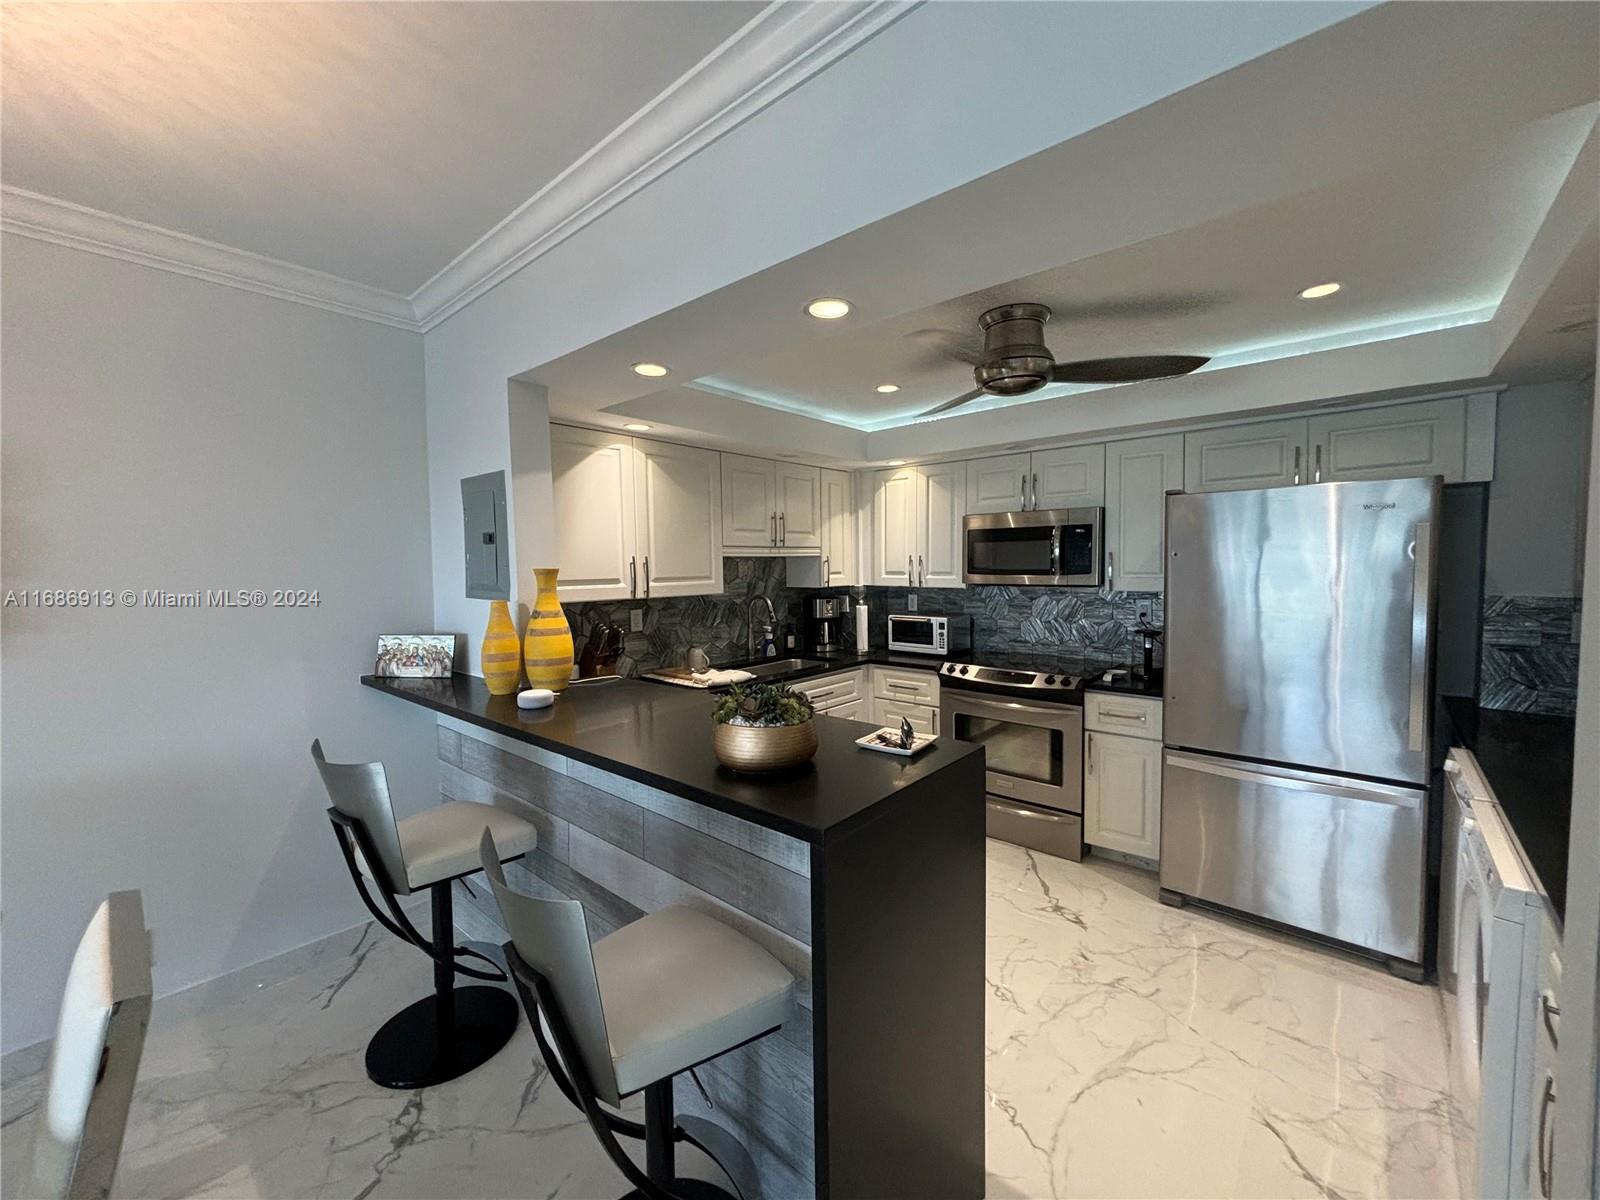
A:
{"points": [[770, 507], [835, 566], [917, 527], [1139, 474], [1071, 477], [634, 518], [1453, 438]]}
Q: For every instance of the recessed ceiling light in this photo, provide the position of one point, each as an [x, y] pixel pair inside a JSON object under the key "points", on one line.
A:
{"points": [[649, 370], [828, 308], [886, 388], [637, 426], [1318, 290], [896, 462]]}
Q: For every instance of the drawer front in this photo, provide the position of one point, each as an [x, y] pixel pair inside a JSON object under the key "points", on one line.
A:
{"points": [[831, 689], [888, 712], [851, 710], [904, 686], [1132, 716]]}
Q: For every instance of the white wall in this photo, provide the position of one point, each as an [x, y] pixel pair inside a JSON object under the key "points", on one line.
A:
{"points": [[161, 432], [1536, 502], [906, 116]]}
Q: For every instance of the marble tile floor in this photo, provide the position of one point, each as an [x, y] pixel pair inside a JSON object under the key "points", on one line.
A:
{"points": [[1133, 1050]]}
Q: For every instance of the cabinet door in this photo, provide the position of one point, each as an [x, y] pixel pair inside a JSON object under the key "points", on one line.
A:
{"points": [[1072, 477], [799, 505], [593, 480], [941, 495], [749, 502], [850, 710], [1427, 438], [997, 484], [894, 526], [838, 530], [1268, 454], [678, 503], [1122, 794], [889, 712], [1138, 476]]}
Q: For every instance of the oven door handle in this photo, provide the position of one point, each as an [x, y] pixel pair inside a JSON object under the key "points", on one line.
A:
{"points": [[986, 708]]}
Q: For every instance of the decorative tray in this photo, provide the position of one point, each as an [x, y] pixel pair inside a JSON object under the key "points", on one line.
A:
{"points": [[887, 741]]}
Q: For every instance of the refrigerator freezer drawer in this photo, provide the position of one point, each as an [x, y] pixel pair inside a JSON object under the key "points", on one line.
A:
{"points": [[1331, 855]]}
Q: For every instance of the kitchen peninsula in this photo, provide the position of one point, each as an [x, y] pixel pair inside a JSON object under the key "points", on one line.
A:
{"points": [[863, 873]]}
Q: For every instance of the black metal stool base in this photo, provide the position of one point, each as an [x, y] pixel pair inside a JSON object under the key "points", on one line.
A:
{"points": [[408, 1052], [688, 1189]]}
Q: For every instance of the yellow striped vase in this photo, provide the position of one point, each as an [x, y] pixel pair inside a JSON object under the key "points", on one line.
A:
{"points": [[547, 650], [502, 651]]}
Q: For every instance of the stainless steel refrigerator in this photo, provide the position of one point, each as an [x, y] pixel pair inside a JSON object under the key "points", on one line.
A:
{"points": [[1298, 707]]}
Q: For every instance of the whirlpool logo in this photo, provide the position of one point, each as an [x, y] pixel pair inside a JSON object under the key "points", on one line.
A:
{"points": [[1379, 507]]}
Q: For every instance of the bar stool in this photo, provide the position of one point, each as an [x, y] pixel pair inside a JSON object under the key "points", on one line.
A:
{"points": [[657, 997], [447, 1034]]}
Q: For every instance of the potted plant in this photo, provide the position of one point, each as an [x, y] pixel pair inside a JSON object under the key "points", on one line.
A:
{"points": [[763, 727]]}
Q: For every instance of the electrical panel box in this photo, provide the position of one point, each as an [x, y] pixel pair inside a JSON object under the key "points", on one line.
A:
{"points": [[483, 513]]}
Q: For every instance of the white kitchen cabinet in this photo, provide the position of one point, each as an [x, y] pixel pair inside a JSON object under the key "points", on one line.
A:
{"points": [[828, 690], [838, 530], [1122, 794], [1266, 454], [941, 495], [905, 692], [1071, 477], [889, 712], [593, 480], [1139, 474], [799, 506], [1427, 438], [894, 527], [749, 502], [850, 710], [677, 498], [634, 518], [998, 484]]}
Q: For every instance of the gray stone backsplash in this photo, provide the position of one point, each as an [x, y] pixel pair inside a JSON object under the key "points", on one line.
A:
{"points": [[1530, 654], [1073, 629]]}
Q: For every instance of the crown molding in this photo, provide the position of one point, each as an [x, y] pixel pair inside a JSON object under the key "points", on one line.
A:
{"points": [[776, 51], [46, 219]]}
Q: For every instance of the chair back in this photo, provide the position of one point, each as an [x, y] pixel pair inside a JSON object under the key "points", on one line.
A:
{"points": [[552, 937], [360, 791], [95, 1059]]}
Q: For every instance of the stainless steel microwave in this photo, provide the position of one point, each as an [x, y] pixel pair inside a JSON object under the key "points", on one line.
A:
{"points": [[1058, 547]]}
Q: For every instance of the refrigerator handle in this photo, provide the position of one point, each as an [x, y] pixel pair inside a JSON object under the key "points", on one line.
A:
{"points": [[1340, 787], [1421, 590]]}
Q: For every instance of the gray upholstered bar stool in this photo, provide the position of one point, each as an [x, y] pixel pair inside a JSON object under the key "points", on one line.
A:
{"points": [[653, 999], [447, 1034]]}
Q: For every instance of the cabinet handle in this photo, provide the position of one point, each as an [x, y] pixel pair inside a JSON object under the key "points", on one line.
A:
{"points": [[1117, 714], [1022, 492], [1035, 503], [1318, 478], [922, 576], [1090, 762], [1111, 562], [911, 570], [822, 695], [633, 576], [1546, 1159], [903, 687], [647, 577], [1549, 1010], [827, 572], [1297, 466], [783, 533]]}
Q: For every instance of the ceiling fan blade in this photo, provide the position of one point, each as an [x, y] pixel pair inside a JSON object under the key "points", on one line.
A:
{"points": [[950, 344], [1127, 370], [964, 398]]}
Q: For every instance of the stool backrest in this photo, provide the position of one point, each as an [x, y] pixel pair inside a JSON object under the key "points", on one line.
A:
{"points": [[95, 1059], [552, 937], [361, 792]]}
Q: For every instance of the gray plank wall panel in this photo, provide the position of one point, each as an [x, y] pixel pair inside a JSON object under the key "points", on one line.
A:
{"points": [[623, 849]]}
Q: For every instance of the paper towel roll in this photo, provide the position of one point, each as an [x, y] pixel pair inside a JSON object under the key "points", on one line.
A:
{"points": [[861, 627]]}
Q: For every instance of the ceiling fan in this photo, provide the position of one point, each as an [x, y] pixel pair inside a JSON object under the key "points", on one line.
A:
{"points": [[1014, 359]]}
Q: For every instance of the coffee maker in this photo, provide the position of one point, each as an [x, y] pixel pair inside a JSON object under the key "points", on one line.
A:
{"points": [[824, 619]]}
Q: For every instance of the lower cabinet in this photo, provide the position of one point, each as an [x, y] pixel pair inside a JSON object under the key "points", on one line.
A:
{"points": [[906, 693], [889, 712], [850, 710], [1122, 779]]}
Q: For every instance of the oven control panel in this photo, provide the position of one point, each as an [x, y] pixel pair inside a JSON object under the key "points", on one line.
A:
{"points": [[1006, 678]]}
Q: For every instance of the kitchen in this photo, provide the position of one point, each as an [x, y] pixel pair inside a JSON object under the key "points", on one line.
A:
{"points": [[812, 544]]}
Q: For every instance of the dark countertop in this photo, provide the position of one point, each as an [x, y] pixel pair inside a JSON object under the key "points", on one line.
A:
{"points": [[1136, 685], [660, 735], [1527, 759]]}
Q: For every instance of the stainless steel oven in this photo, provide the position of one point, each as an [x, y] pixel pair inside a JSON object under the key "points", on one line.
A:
{"points": [[1032, 734], [1058, 547]]}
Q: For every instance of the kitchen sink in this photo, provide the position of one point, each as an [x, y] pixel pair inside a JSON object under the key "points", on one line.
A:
{"points": [[782, 666]]}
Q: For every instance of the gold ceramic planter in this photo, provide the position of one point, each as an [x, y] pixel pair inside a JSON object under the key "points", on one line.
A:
{"points": [[757, 749]]}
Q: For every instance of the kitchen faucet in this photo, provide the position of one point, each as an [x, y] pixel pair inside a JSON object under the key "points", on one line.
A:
{"points": [[772, 615]]}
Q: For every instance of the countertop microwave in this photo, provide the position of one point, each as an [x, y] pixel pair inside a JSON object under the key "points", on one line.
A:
{"points": [[1054, 547], [913, 633]]}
